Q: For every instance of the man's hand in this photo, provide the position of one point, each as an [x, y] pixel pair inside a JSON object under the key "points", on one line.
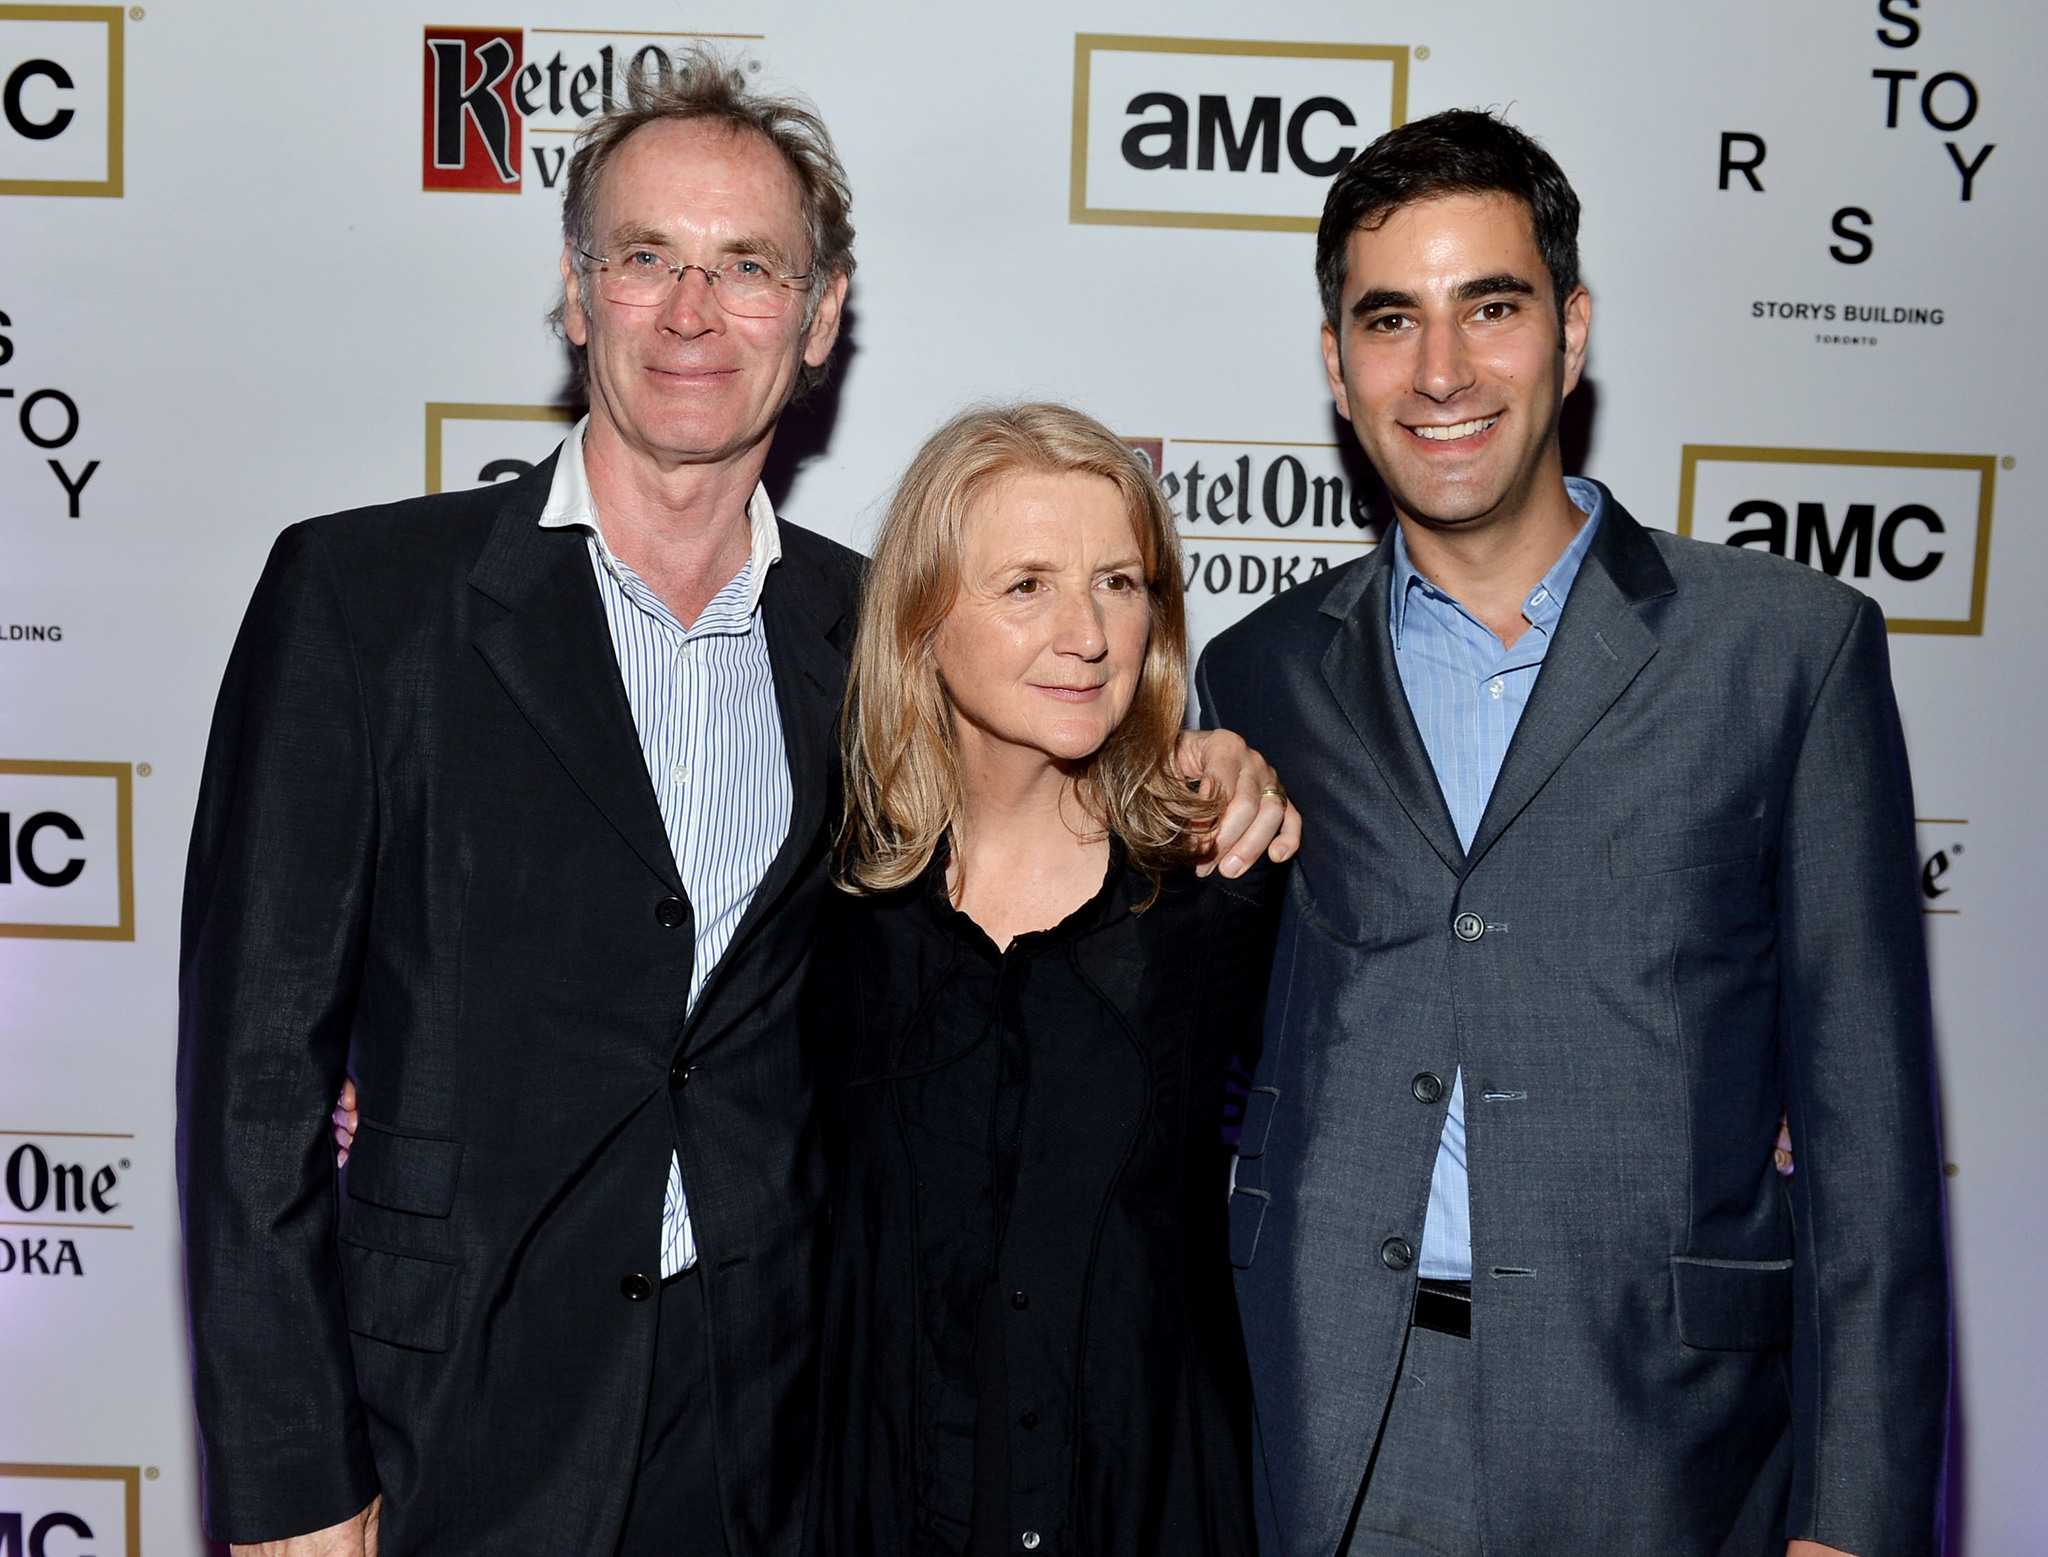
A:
{"points": [[1257, 817], [1814, 1549], [355, 1537], [344, 1121]]}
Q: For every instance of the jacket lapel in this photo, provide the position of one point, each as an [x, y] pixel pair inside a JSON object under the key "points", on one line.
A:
{"points": [[800, 611], [1361, 673], [553, 653], [1602, 646]]}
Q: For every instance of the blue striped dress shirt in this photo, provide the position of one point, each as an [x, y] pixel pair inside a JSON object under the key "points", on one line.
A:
{"points": [[1467, 694], [703, 700]]}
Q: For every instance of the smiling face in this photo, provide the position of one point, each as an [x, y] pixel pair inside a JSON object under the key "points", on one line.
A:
{"points": [[1447, 362], [1041, 653], [683, 381]]}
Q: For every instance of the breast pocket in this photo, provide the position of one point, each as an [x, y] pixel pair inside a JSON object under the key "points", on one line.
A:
{"points": [[1685, 848]]}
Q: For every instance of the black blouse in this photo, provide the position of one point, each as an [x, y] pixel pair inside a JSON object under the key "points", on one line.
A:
{"points": [[1032, 1342]]}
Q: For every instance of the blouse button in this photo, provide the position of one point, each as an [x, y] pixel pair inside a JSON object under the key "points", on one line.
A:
{"points": [[1028, 1420], [1019, 1300]]}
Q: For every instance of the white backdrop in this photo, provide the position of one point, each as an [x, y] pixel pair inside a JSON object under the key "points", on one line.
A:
{"points": [[225, 266]]}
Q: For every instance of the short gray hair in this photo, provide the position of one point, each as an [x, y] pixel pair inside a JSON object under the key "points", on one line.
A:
{"points": [[704, 85]]}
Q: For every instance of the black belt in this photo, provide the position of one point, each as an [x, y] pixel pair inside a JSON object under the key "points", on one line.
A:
{"points": [[1443, 1306]]}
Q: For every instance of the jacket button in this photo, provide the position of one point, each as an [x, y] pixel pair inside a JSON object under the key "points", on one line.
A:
{"points": [[1396, 1255], [637, 1288], [679, 1076], [671, 913], [1030, 1540], [1427, 1087], [1028, 1420], [1468, 927], [1019, 1300]]}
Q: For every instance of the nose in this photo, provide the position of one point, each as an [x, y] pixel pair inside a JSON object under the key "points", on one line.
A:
{"points": [[1081, 631], [1445, 366], [692, 305]]}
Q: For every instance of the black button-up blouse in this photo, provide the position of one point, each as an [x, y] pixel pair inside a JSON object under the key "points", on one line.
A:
{"points": [[1032, 1342]]}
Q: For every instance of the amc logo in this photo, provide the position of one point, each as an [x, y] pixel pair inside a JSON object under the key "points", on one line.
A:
{"points": [[1912, 531], [1199, 132], [60, 100], [67, 852], [477, 445], [70, 1510], [483, 96]]}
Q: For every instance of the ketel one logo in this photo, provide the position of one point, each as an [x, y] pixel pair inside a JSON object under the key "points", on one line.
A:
{"points": [[1912, 531], [1255, 519], [56, 1186], [1202, 132], [67, 851], [483, 97], [60, 100], [71, 1510]]}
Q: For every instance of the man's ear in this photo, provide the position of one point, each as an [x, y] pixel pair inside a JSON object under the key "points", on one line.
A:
{"points": [[575, 323], [1578, 326], [824, 330], [1333, 365]]}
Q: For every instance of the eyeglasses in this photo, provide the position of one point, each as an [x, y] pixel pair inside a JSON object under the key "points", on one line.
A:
{"points": [[642, 276]]}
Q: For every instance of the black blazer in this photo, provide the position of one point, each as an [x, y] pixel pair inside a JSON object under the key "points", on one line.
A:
{"points": [[427, 849], [1690, 907]]}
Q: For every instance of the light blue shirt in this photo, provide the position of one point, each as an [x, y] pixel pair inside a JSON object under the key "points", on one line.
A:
{"points": [[1467, 694], [703, 701]]}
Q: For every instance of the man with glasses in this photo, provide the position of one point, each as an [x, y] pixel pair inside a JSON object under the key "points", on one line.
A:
{"points": [[516, 809]]}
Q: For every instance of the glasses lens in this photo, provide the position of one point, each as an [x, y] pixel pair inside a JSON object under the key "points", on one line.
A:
{"points": [[750, 287], [637, 276]]}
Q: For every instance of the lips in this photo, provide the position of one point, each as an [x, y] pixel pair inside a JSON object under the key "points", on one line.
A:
{"points": [[1456, 431], [1072, 694]]}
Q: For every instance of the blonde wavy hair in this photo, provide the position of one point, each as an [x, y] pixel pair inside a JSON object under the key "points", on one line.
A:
{"points": [[901, 763]]}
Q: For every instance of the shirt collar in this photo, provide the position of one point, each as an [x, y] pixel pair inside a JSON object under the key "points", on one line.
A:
{"points": [[570, 506], [1545, 602]]}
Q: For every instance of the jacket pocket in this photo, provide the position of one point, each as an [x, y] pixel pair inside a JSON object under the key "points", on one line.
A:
{"points": [[1687, 848], [398, 1298], [414, 1173], [1733, 1305]]}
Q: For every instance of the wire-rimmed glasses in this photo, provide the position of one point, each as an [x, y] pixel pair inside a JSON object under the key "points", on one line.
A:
{"points": [[643, 275]]}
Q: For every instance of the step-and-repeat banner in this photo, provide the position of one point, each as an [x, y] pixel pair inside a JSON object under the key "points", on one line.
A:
{"points": [[259, 262]]}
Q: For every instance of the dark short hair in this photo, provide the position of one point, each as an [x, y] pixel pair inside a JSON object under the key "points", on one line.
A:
{"points": [[1457, 152]]}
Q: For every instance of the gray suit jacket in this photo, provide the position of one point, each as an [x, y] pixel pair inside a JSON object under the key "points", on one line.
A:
{"points": [[1697, 909]]}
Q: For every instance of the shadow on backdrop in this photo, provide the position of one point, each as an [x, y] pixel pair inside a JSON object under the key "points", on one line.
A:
{"points": [[806, 428]]}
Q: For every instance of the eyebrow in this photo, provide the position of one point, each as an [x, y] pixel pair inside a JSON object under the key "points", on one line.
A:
{"points": [[1494, 286], [765, 248], [1501, 285]]}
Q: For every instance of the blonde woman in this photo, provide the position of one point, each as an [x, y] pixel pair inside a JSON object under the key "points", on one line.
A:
{"points": [[1023, 1007]]}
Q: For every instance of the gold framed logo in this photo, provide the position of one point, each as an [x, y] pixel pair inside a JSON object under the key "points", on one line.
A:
{"points": [[67, 850], [1238, 134], [472, 445], [1912, 531], [97, 1503], [61, 100]]}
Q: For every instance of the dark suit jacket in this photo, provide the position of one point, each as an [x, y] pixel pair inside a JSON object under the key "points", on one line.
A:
{"points": [[1696, 903], [427, 848]]}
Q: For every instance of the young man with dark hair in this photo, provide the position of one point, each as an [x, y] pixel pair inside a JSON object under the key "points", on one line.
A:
{"points": [[1611, 864]]}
